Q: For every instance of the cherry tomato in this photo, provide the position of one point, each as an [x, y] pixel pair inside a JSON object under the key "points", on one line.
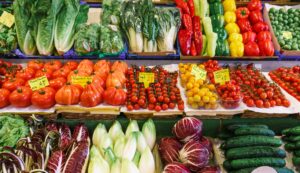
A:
{"points": [[286, 103], [129, 107], [250, 103], [172, 105], [134, 99], [180, 106], [157, 108], [165, 106], [141, 102], [259, 103]]}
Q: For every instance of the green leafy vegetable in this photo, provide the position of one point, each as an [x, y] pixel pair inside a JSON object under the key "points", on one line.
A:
{"points": [[8, 36], [111, 12], [111, 39]]}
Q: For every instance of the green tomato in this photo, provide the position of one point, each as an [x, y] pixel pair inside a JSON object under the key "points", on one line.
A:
{"points": [[272, 10]]}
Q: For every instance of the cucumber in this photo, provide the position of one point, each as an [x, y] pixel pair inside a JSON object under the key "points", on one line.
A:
{"points": [[296, 153], [249, 170], [296, 161], [224, 135], [292, 138], [233, 127], [291, 146], [292, 131], [254, 152], [254, 131], [252, 140], [255, 162]]}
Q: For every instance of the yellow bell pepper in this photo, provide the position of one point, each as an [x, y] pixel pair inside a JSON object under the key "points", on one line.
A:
{"points": [[229, 5], [236, 49], [230, 17], [234, 37], [232, 28]]}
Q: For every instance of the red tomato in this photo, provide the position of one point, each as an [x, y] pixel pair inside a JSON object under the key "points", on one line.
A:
{"points": [[157, 108], [68, 94], [63, 72], [43, 98], [26, 74], [91, 95], [53, 65], [286, 103], [35, 64], [44, 72], [259, 103], [86, 66], [12, 84], [21, 97], [57, 83], [4, 98], [130, 107], [72, 65], [114, 96], [250, 103]]}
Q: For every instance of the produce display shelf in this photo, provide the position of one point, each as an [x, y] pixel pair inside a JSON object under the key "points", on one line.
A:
{"points": [[228, 58]]}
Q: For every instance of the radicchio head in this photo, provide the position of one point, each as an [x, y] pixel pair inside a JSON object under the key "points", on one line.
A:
{"points": [[169, 148], [188, 128]]}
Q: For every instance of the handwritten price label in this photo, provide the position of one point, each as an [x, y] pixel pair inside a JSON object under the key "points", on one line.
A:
{"points": [[38, 83], [198, 72], [146, 78], [222, 76], [81, 80], [7, 19]]}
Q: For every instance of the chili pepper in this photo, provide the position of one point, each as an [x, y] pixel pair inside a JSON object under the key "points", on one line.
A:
{"points": [[232, 28], [183, 5], [260, 26], [236, 49], [264, 35], [193, 49], [198, 39], [229, 5], [251, 49], [185, 41], [244, 25], [235, 37], [191, 7], [230, 17], [266, 48], [242, 13], [187, 22], [249, 37], [217, 21], [255, 17], [254, 5], [216, 8], [222, 34]]}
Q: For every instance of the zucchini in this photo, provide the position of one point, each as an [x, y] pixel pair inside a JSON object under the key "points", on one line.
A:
{"points": [[254, 152], [292, 131], [296, 161], [252, 140], [296, 153], [233, 127], [254, 131], [255, 162], [249, 170]]}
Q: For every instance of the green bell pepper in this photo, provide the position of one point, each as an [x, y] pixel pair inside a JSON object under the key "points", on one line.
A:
{"points": [[222, 48], [222, 33], [216, 8], [213, 1], [217, 21]]}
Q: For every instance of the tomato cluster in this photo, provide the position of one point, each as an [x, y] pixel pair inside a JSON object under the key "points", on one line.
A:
{"points": [[106, 84], [211, 66], [257, 90], [288, 79], [230, 94], [163, 94]]}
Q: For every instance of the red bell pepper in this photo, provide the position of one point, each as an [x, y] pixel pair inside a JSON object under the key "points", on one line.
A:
{"points": [[249, 37], [251, 49], [254, 5], [260, 26], [183, 5], [242, 13], [193, 49], [264, 35], [185, 41], [255, 17], [266, 48], [191, 7], [244, 25], [198, 40], [187, 22]]}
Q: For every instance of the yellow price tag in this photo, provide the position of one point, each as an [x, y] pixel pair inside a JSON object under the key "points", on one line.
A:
{"points": [[81, 80], [7, 19], [38, 83], [198, 72], [146, 78], [222, 76]]}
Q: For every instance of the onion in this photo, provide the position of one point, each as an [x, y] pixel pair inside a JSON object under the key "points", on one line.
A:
{"points": [[194, 155], [210, 169], [176, 168], [169, 148], [205, 142], [188, 128]]}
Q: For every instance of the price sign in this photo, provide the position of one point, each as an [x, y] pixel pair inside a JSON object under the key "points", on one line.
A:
{"points": [[38, 83], [198, 72], [81, 80], [146, 78], [7, 19], [222, 76]]}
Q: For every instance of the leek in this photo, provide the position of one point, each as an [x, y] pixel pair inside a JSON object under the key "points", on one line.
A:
{"points": [[149, 132], [141, 141], [97, 163], [147, 164], [116, 166], [129, 167], [130, 147], [115, 131], [119, 147], [132, 127]]}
